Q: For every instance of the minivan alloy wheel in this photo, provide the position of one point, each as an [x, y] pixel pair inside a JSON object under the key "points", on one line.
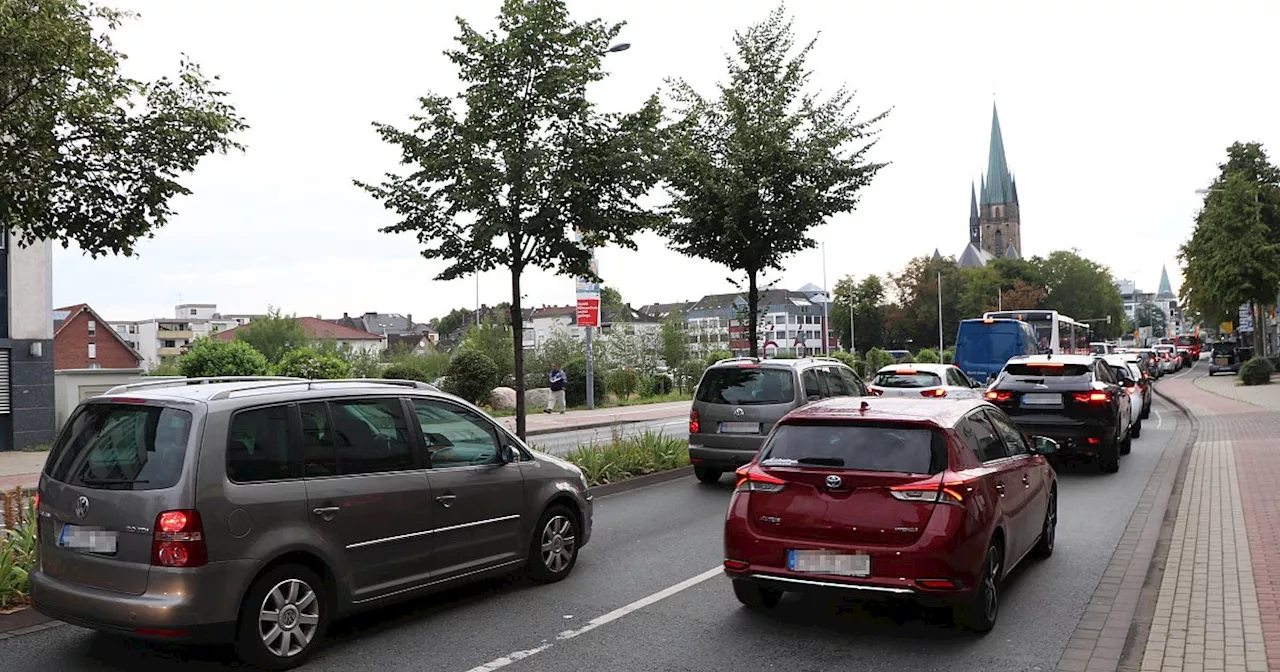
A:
{"points": [[558, 543], [289, 617]]}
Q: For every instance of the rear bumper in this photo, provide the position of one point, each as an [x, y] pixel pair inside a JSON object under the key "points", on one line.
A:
{"points": [[1071, 437], [195, 606], [724, 459]]}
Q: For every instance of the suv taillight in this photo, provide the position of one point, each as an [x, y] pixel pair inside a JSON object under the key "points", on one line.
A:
{"points": [[998, 397], [694, 425], [1091, 397], [752, 478], [178, 540]]}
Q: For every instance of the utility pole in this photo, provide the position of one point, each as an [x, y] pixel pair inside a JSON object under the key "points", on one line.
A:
{"points": [[826, 303], [941, 344]]}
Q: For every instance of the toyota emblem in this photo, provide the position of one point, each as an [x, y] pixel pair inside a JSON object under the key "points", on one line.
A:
{"points": [[738, 412], [834, 481], [82, 507]]}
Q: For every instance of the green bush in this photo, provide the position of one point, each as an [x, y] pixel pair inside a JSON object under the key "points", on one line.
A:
{"points": [[630, 456], [688, 374], [307, 363], [472, 375], [425, 368], [623, 382], [575, 372], [846, 358], [1256, 371], [17, 548], [905, 359], [210, 357], [660, 385], [877, 359], [717, 355], [948, 356], [928, 356]]}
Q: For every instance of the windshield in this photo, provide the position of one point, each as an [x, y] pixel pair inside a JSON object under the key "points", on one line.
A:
{"points": [[1098, 348], [1046, 369], [864, 447], [742, 386], [121, 446], [907, 379]]}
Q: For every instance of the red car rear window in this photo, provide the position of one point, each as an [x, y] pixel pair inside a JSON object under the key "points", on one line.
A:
{"points": [[862, 446]]}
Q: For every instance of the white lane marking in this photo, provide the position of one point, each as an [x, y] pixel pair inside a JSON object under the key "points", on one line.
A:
{"points": [[1159, 418], [499, 663]]}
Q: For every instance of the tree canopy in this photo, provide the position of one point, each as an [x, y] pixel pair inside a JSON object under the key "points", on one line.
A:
{"points": [[754, 168], [274, 334], [502, 175], [1083, 289], [87, 155]]}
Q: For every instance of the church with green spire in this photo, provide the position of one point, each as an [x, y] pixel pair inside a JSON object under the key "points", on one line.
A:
{"points": [[995, 224]]}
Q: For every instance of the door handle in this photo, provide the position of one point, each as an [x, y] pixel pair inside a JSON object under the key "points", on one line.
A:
{"points": [[1000, 488], [1026, 480], [446, 500], [326, 512]]}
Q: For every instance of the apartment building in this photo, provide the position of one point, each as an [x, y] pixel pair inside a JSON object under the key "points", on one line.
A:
{"points": [[788, 323], [547, 322], [26, 343], [157, 339]]}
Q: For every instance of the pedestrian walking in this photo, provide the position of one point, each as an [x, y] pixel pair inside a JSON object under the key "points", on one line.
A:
{"points": [[558, 382]]}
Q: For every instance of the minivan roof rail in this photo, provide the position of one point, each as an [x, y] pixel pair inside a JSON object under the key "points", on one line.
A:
{"points": [[397, 382], [738, 359], [174, 381]]}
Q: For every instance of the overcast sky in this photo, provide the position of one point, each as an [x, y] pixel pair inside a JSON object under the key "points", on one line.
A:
{"points": [[1113, 114]]}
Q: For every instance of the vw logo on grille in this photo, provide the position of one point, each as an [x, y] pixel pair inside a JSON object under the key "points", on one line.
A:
{"points": [[82, 507], [738, 412], [834, 481]]}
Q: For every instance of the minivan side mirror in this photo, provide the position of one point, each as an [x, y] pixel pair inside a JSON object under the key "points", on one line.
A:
{"points": [[509, 453], [1043, 445]]}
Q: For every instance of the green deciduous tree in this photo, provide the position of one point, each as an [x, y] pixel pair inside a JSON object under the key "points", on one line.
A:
{"points": [[917, 290], [274, 334], [675, 342], [1233, 256], [1150, 315], [209, 357], [980, 291], [755, 168], [308, 363], [500, 176], [1082, 289], [494, 340], [88, 155], [867, 298]]}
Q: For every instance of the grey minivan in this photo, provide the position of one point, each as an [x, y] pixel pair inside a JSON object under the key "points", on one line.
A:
{"points": [[738, 401], [256, 511]]}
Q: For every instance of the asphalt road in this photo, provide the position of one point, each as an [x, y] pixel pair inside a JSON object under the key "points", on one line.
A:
{"points": [[648, 594]]}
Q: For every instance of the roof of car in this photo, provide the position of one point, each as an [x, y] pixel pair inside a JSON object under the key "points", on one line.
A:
{"points": [[942, 412], [777, 361], [209, 389], [1065, 359], [1123, 358], [928, 368]]}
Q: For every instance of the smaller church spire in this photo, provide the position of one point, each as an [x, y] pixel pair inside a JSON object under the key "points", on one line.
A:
{"points": [[975, 230], [1166, 289]]}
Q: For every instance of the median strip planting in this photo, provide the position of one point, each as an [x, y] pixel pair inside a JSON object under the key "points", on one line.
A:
{"points": [[626, 457]]}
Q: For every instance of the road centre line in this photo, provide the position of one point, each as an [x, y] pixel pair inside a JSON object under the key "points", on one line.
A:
{"points": [[598, 621]]}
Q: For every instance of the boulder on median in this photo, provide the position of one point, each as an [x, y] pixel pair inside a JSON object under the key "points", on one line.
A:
{"points": [[537, 397], [502, 399]]}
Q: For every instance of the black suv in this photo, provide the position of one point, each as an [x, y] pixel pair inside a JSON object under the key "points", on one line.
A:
{"points": [[1074, 399], [739, 400]]}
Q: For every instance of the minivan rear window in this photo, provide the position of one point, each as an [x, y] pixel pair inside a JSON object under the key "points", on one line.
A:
{"points": [[862, 446], [1047, 369], [907, 379], [745, 386], [122, 447]]}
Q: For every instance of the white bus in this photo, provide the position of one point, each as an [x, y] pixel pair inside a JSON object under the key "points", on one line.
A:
{"points": [[1055, 332]]}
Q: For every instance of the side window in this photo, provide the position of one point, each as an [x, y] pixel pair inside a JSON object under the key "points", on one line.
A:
{"points": [[955, 378], [258, 446], [370, 436], [836, 386], [812, 385], [1103, 371], [853, 382], [990, 445], [455, 436], [1014, 442], [319, 456]]}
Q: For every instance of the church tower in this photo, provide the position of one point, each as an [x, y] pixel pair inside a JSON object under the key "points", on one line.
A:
{"points": [[998, 223]]}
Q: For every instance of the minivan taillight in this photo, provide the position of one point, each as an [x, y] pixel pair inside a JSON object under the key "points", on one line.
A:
{"points": [[694, 425], [943, 489], [178, 540], [752, 478]]}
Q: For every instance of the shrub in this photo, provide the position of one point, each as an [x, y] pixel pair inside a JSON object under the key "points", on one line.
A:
{"points": [[210, 357], [877, 359], [17, 547], [928, 356], [846, 358], [715, 356], [1256, 371], [307, 363], [948, 356], [473, 375], [660, 385], [905, 359], [623, 382], [689, 373], [630, 456], [424, 368], [575, 371]]}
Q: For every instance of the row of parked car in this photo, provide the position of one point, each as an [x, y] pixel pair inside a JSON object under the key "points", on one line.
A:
{"points": [[919, 484]]}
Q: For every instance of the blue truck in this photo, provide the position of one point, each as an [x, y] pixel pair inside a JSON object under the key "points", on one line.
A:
{"points": [[984, 345]]}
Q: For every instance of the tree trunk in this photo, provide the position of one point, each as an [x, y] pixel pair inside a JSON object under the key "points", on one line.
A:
{"points": [[753, 298], [517, 339], [1259, 331]]}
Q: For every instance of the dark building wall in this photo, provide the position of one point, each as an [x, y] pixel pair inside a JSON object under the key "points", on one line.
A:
{"points": [[30, 421]]}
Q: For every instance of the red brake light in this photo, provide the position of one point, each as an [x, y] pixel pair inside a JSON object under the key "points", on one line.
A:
{"points": [[178, 540], [126, 400], [998, 397], [748, 366], [752, 478], [937, 392], [1091, 397], [945, 488], [35, 502], [1047, 365], [694, 425], [904, 372], [876, 391]]}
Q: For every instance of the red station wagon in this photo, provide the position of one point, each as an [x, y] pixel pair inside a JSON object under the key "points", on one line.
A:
{"points": [[934, 501]]}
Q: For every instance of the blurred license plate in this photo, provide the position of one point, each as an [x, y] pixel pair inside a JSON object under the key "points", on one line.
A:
{"points": [[822, 562], [92, 539], [739, 428], [1221, 361], [1040, 399]]}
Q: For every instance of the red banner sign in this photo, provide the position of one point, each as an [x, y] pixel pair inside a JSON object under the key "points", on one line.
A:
{"points": [[588, 312]]}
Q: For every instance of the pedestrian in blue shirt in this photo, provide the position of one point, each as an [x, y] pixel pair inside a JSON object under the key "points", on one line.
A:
{"points": [[558, 383]]}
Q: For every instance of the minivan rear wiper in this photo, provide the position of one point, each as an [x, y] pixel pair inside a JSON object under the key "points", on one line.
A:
{"points": [[111, 481], [822, 461]]}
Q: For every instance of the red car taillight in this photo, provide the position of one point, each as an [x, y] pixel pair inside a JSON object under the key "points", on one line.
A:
{"points": [[998, 397], [1091, 397], [178, 540], [694, 425], [875, 391], [946, 488], [937, 392], [752, 478]]}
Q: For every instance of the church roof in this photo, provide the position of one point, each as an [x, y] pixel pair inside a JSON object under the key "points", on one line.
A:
{"points": [[973, 257], [1012, 252], [1166, 290], [998, 182]]}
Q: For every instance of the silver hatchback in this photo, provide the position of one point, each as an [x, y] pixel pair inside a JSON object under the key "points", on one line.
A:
{"points": [[256, 511]]}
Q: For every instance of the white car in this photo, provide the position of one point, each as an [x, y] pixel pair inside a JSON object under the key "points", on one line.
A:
{"points": [[1128, 374], [1170, 362], [931, 381]]}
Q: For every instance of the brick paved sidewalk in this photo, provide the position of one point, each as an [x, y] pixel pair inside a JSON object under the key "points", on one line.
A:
{"points": [[1219, 600]]}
